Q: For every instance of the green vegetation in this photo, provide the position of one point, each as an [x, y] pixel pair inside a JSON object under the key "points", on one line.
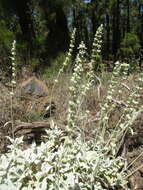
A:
{"points": [[130, 46], [84, 146], [42, 30]]}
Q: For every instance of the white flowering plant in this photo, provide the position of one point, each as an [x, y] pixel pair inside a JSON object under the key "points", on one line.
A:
{"points": [[83, 79], [69, 55], [13, 81], [78, 88], [96, 57], [60, 165], [66, 162], [130, 108]]}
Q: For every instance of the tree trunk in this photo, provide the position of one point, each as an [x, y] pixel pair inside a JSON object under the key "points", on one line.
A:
{"points": [[107, 36], [128, 16], [25, 21], [78, 24], [94, 18], [58, 36], [116, 29]]}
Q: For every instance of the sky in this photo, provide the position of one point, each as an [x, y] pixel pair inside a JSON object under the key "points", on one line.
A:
{"points": [[87, 1]]}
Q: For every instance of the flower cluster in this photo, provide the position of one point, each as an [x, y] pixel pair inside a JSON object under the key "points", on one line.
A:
{"points": [[129, 109], [13, 81], [77, 86], [13, 52], [113, 89], [83, 78], [97, 44], [69, 54]]}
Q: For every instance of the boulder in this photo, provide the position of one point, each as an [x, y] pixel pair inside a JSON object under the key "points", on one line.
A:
{"points": [[33, 87]]}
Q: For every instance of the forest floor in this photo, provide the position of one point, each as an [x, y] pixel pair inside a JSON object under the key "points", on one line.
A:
{"points": [[30, 109]]}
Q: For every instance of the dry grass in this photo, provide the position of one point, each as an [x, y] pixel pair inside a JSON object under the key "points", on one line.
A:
{"points": [[93, 101], [29, 110]]}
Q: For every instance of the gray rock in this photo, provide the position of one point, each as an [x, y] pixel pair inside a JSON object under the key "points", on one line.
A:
{"points": [[33, 87]]}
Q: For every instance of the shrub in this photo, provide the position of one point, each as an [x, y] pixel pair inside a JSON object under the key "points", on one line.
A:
{"points": [[55, 67], [5, 42], [129, 46], [73, 164]]}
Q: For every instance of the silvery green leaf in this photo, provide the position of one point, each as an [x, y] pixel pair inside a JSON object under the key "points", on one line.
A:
{"points": [[44, 184], [19, 140], [5, 187], [71, 179], [91, 155]]}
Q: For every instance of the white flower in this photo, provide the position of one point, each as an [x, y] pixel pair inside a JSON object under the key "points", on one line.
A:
{"points": [[13, 53], [13, 69], [13, 82], [106, 118], [11, 93], [13, 64], [13, 74], [109, 97]]}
